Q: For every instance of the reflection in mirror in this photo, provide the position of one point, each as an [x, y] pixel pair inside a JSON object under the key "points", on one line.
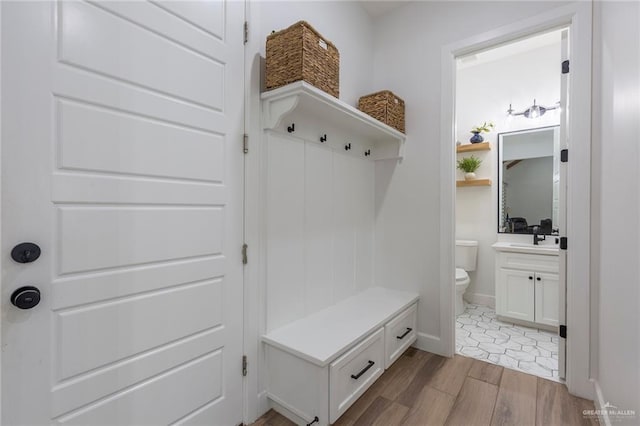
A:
{"points": [[529, 176]]}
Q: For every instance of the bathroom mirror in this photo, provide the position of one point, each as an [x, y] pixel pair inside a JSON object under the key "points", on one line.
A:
{"points": [[529, 177]]}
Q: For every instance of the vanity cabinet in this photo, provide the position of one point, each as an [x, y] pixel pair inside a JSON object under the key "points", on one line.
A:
{"points": [[527, 287]]}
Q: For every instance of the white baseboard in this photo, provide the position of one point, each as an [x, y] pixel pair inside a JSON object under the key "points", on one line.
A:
{"points": [[429, 343], [599, 402], [481, 299], [288, 411], [263, 404]]}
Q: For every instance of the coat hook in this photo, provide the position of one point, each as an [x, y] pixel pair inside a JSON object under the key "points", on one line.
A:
{"points": [[323, 138], [367, 153], [347, 147], [291, 128]]}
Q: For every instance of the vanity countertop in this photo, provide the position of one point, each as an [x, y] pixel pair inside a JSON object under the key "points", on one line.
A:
{"points": [[549, 250]]}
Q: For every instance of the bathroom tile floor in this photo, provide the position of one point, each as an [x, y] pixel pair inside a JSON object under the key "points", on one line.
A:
{"points": [[480, 335]]}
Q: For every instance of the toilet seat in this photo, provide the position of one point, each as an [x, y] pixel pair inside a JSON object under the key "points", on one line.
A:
{"points": [[461, 276], [462, 282]]}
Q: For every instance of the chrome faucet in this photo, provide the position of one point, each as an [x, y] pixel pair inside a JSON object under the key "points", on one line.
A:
{"points": [[537, 238]]}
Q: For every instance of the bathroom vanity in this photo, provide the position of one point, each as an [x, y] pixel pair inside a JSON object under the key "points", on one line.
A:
{"points": [[527, 283]]}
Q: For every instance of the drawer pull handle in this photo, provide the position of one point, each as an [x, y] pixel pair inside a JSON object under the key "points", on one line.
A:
{"points": [[364, 370], [315, 420], [405, 333]]}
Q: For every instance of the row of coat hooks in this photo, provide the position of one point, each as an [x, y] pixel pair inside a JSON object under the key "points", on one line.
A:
{"points": [[323, 139]]}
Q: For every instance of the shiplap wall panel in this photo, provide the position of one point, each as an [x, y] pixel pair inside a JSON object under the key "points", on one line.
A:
{"points": [[318, 238], [285, 231], [364, 205], [345, 223], [319, 227]]}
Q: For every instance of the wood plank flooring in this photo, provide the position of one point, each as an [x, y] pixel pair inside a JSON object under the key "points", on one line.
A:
{"points": [[423, 389]]}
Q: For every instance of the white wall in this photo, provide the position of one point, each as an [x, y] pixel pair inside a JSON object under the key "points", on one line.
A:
{"points": [[616, 201], [408, 44], [483, 93]]}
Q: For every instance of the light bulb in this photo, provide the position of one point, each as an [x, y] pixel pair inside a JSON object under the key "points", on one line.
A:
{"points": [[534, 111]]}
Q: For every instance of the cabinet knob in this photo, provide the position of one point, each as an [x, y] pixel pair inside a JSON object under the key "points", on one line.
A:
{"points": [[530, 278], [538, 278]]}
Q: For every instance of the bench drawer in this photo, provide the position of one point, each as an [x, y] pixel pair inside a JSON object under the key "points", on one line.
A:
{"points": [[400, 333], [352, 374]]}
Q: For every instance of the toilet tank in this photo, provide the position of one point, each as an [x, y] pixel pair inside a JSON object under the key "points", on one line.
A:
{"points": [[466, 254]]}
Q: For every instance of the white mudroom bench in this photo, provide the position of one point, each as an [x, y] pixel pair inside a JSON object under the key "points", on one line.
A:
{"points": [[319, 365]]}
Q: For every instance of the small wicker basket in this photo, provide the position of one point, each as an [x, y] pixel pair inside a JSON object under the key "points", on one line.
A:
{"points": [[384, 106], [301, 53]]}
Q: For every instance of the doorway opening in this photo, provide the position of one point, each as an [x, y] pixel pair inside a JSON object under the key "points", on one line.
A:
{"points": [[510, 203]]}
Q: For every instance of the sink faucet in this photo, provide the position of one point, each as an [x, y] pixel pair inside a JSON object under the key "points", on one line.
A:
{"points": [[537, 238]]}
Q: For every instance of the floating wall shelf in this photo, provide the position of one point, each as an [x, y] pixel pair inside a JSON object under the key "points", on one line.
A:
{"points": [[470, 147], [474, 182], [321, 117]]}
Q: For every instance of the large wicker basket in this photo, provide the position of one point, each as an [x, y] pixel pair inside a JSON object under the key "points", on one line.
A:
{"points": [[384, 106], [301, 53]]}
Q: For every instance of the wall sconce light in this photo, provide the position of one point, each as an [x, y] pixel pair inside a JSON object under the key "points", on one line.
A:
{"points": [[534, 111]]}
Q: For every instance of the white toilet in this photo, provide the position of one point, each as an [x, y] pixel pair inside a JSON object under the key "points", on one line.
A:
{"points": [[466, 256]]}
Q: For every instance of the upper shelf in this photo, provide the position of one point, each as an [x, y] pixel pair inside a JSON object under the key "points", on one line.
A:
{"points": [[469, 147], [474, 182], [328, 115]]}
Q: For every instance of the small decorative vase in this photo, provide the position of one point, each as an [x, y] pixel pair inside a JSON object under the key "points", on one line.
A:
{"points": [[476, 138], [469, 176]]}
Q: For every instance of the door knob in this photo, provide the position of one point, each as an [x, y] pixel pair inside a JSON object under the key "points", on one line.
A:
{"points": [[25, 297], [25, 252]]}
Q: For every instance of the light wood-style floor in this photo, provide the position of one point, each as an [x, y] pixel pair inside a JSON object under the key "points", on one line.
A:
{"points": [[426, 389]]}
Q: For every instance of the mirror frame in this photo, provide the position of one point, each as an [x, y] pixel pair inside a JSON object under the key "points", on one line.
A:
{"points": [[499, 137]]}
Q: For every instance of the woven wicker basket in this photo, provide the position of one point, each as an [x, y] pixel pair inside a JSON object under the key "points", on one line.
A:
{"points": [[301, 53], [384, 106]]}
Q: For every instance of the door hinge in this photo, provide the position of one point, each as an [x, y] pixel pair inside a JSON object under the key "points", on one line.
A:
{"points": [[564, 155], [563, 243], [246, 32], [245, 143], [244, 365], [244, 253], [565, 67], [563, 331]]}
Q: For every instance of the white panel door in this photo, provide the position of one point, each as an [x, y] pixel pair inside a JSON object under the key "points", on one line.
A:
{"points": [[517, 294], [547, 298], [121, 125]]}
